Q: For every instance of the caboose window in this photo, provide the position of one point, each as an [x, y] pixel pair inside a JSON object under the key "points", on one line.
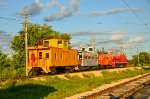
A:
{"points": [[61, 56], [47, 55], [90, 49], [55, 56], [65, 43], [40, 55], [46, 43], [59, 43]]}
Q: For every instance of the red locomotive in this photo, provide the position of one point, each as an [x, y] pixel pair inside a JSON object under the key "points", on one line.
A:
{"points": [[112, 60]]}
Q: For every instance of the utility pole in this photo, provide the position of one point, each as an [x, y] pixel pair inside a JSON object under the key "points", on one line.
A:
{"points": [[138, 52], [26, 15], [93, 41], [121, 47], [138, 57]]}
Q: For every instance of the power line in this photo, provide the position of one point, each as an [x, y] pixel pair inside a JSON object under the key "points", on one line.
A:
{"points": [[135, 14], [6, 18], [80, 38], [4, 35]]}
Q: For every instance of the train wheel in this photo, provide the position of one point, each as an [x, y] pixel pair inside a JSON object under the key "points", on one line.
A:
{"points": [[70, 69], [53, 70], [101, 67], [81, 68]]}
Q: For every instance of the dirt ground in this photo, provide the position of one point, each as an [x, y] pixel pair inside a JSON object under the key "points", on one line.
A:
{"points": [[96, 72]]}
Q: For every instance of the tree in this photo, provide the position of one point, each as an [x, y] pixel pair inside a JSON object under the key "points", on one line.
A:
{"points": [[144, 58], [4, 61], [35, 34]]}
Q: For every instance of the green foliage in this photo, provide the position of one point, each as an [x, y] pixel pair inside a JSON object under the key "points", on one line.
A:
{"points": [[12, 72], [18, 60], [144, 58], [35, 34], [67, 76], [4, 61], [89, 75], [58, 88]]}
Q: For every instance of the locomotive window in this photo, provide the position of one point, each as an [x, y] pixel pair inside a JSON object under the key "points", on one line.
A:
{"points": [[47, 55], [90, 49], [80, 56], [46, 43], [65, 43], [83, 49], [59, 43], [40, 55], [55, 56]]}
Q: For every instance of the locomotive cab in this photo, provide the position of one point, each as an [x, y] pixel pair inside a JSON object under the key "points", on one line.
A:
{"points": [[87, 57], [88, 48]]}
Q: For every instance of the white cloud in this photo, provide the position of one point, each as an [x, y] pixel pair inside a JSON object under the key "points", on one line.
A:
{"points": [[53, 3], [64, 12], [74, 4], [136, 39], [73, 9], [110, 11], [118, 32], [34, 8], [76, 44], [116, 37], [90, 32]]}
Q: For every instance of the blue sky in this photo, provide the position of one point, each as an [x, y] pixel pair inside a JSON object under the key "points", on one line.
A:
{"points": [[111, 21]]}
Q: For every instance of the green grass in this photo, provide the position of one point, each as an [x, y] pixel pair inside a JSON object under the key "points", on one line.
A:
{"points": [[57, 88], [11, 72]]}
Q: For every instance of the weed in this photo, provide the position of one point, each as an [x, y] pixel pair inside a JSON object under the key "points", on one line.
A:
{"points": [[58, 88], [89, 75], [67, 76]]}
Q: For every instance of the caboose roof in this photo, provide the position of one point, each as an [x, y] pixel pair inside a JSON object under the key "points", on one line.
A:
{"points": [[55, 39], [37, 47]]}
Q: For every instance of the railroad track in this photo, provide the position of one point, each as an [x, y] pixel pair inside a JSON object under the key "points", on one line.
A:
{"points": [[123, 90]]}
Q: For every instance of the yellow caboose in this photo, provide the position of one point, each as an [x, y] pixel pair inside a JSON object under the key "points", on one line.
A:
{"points": [[52, 55]]}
